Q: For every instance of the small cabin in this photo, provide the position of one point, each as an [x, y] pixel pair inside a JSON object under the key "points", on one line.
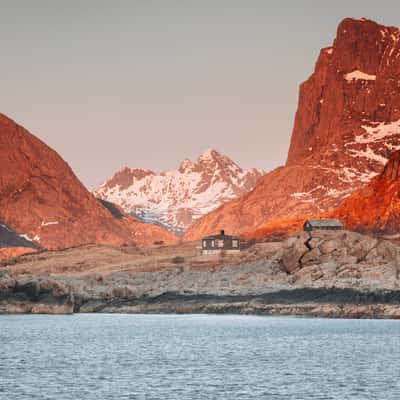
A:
{"points": [[220, 243], [327, 224]]}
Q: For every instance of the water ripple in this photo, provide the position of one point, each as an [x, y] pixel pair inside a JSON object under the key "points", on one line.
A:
{"points": [[99, 356]]}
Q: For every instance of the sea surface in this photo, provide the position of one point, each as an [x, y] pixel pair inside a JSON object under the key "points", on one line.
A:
{"points": [[103, 356]]}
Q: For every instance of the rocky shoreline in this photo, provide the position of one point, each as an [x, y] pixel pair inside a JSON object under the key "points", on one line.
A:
{"points": [[340, 274], [334, 303], [51, 297]]}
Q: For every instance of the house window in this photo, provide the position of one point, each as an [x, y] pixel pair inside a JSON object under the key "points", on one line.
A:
{"points": [[204, 244], [212, 243], [235, 243], [220, 243]]}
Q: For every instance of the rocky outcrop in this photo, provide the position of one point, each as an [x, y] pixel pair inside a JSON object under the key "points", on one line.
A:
{"points": [[338, 255], [346, 126], [44, 202], [175, 199], [36, 295]]}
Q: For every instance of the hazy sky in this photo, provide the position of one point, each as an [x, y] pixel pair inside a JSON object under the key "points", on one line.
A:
{"points": [[148, 83]]}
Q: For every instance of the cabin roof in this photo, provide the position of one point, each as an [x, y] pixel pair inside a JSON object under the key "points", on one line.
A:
{"points": [[328, 222], [219, 236]]}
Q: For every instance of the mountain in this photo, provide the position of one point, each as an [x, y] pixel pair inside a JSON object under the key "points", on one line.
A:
{"points": [[42, 200], [375, 207], [175, 199], [346, 126]]}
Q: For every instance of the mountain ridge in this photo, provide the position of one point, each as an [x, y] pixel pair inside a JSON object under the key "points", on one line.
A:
{"points": [[376, 206], [346, 126], [175, 198], [43, 201]]}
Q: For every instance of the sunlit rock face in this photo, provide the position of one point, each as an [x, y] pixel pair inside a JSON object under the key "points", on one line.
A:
{"points": [[376, 206], [346, 127], [43, 202]]}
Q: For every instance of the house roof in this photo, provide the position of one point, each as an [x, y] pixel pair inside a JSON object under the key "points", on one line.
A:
{"points": [[325, 222], [219, 236]]}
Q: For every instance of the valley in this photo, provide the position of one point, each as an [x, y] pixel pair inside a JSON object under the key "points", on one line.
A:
{"points": [[133, 244]]}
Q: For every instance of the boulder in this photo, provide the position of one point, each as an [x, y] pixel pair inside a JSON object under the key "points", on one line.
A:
{"points": [[290, 259], [311, 257]]}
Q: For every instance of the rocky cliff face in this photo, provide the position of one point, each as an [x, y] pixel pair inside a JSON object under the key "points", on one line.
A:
{"points": [[176, 198], [44, 202], [375, 207], [347, 124]]}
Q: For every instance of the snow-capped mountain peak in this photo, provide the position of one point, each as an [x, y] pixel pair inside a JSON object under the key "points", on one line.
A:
{"points": [[176, 198], [186, 166], [210, 155]]}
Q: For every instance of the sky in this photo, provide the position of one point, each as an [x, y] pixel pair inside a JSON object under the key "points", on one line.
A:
{"points": [[145, 83]]}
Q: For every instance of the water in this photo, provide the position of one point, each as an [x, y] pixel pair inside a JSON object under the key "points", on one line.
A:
{"points": [[197, 357]]}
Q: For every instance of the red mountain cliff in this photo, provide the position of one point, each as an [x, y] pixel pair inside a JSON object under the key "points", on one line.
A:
{"points": [[42, 199], [375, 207], [346, 126]]}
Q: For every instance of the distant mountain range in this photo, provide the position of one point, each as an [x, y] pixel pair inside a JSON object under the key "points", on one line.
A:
{"points": [[174, 199]]}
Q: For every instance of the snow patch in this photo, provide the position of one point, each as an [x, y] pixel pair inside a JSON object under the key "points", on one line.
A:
{"points": [[49, 223], [376, 142], [26, 237], [359, 75], [370, 154], [306, 196], [6, 227], [336, 193], [378, 132]]}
